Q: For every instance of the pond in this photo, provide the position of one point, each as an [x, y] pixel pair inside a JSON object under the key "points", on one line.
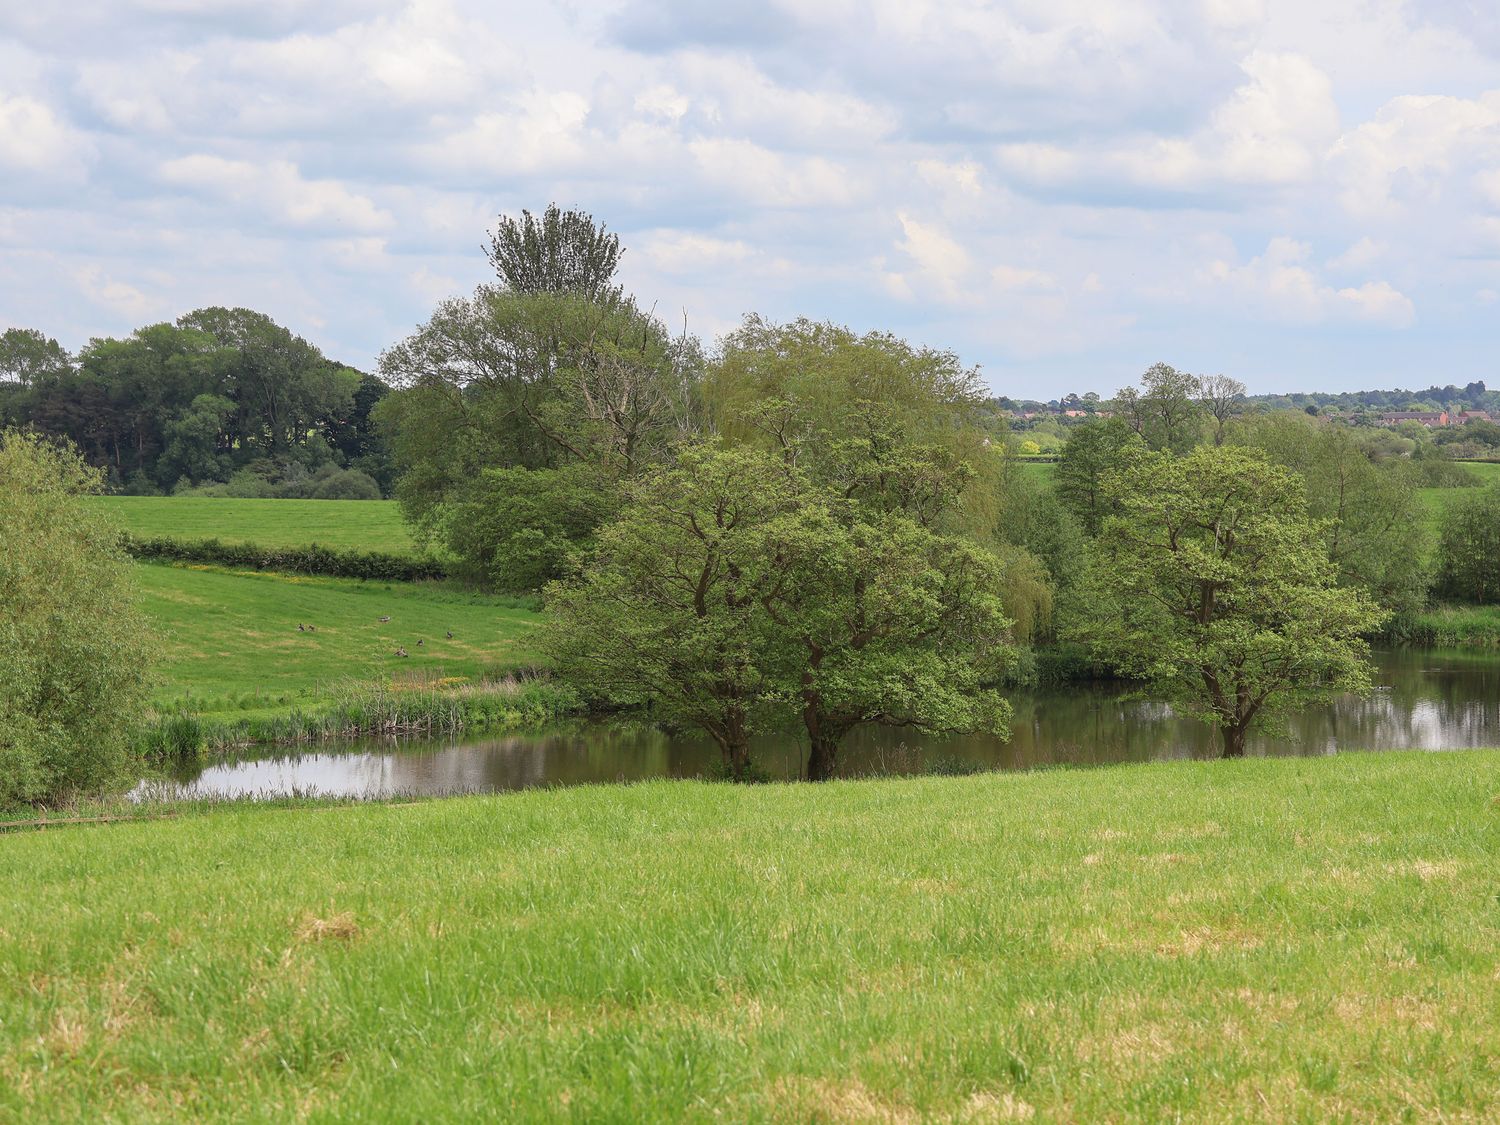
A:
{"points": [[1424, 700]]}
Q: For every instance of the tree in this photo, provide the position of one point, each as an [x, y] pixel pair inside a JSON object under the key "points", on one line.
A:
{"points": [[893, 621], [1093, 448], [737, 593], [561, 252], [28, 357], [1166, 412], [1212, 586], [1469, 548], [1223, 400], [74, 641], [1374, 528], [670, 610]]}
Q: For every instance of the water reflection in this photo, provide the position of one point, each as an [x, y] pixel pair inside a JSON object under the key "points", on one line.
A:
{"points": [[1425, 700]]}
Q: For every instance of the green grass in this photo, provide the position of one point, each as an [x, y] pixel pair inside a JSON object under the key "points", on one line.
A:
{"points": [[1273, 940], [1450, 626], [229, 639], [354, 525]]}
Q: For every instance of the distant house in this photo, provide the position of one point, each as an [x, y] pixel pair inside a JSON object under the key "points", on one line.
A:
{"points": [[1075, 413], [1471, 416], [1428, 418]]}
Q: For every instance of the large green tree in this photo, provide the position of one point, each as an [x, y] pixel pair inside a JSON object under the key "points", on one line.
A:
{"points": [[75, 645], [670, 610], [1212, 585]]}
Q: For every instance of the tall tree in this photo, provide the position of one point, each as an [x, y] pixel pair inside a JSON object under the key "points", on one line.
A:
{"points": [[1469, 548], [1093, 449], [1166, 411], [560, 252], [1212, 586], [1222, 400]]}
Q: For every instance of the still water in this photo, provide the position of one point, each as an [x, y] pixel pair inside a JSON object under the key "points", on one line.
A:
{"points": [[1424, 700]]}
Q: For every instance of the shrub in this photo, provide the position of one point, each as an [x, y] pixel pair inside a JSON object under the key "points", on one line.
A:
{"points": [[346, 484], [72, 640], [311, 559]]}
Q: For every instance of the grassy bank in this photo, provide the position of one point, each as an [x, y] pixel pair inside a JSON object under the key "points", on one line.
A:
{"points": [[229, 642], [1447, 626], [355, 525], [1269, 940], [437, 708]]}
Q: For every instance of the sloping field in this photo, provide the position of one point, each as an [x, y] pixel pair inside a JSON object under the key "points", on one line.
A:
{"points": [[353, 525], [229, 639], [1269, 940]]}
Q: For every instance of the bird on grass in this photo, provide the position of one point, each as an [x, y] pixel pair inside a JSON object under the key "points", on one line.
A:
{"points": [[301, 628], [387, 617], [421, 642], [449, 634], [401, 652]]}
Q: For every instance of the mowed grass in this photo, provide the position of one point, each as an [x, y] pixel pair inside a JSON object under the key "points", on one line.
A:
{"points": [[351, 525], [228, 640], [1271, 940]]}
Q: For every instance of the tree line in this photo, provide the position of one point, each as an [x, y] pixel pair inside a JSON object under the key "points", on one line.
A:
{"points": [[220, 401]]}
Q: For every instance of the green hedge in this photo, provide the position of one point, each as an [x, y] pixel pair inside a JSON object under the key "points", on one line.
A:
{"points": [[311, 559]]}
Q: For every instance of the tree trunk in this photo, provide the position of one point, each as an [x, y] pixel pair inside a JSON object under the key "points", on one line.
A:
{"points": [[823, 757], [1234, 740]]}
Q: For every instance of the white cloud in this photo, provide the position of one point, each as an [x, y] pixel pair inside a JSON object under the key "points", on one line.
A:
{"points": [[278, 191], [1281, 283], [34, 140]]}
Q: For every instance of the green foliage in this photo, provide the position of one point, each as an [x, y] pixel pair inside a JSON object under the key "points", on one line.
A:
{"points": [[669, 611], [508, 380], [736, 592], [1372, 519], [517, 529], [1212, 586], [191, 402], [74, 643], [1168, 411], [560, 252], [1094, 449], [1469, 548], [1193, 941], [311, 559]]}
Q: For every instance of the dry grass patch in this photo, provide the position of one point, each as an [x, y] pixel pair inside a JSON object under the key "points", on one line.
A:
{"points": [[336, 927]]}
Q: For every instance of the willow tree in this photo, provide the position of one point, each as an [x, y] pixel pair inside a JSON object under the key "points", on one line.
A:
{"points": [[74, 641], [1211, 585], [556, 252]]}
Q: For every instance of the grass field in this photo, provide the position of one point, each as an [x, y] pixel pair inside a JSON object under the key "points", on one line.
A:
{"points": [[229, 639], [1273, 940], [354, 525]]}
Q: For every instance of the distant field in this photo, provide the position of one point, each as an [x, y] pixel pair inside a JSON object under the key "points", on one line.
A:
{"points": [[1040, 470], [355, 525], [229, 639], [1276, 940]]}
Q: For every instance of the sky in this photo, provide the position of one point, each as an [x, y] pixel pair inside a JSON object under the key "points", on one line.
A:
{"points": [[1302, 194]]}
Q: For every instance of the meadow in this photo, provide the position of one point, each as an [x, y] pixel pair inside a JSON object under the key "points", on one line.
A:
{"points": [[356, 525], [1276, 940], [228, 640]]}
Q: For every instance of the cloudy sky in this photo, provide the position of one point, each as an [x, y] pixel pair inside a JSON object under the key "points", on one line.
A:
{"points": [[1304, 194]]}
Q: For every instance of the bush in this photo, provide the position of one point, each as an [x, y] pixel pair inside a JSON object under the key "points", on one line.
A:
{"points": [[516, 528], [71, 638], [311, 559], [346, 484]]}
